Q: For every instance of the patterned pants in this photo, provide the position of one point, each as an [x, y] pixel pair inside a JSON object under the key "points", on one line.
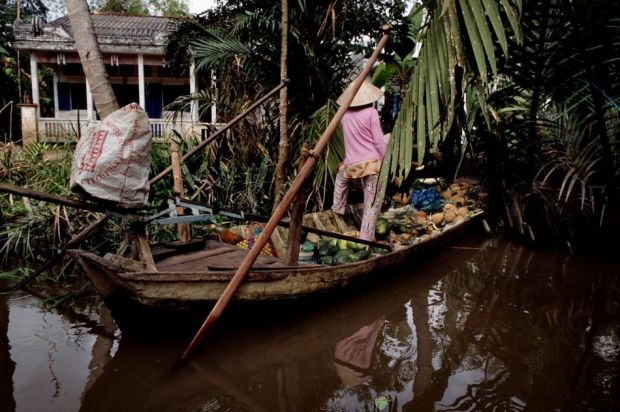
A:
{"points": [[369, 219]]}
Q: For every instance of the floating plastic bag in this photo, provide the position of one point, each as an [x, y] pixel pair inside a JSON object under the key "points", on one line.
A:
{"points": [[112, 159], [426, 200]]}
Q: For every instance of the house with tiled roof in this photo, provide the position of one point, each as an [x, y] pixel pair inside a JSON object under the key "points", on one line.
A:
{"points": [[133, 52]]}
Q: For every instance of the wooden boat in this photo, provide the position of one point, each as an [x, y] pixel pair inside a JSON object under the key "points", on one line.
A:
{"points": [[265, 359], [196, 274]]}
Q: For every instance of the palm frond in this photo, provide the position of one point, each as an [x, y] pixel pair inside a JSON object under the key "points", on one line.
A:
{"points": [[453, 27]]}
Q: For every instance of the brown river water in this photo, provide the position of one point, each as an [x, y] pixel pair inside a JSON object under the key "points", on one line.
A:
{"points": [[484, 324]]}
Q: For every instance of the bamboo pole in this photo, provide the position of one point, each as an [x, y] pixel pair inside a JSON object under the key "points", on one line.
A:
{"points": [[278, 214], [297, 215], [52, 198], [182, 228]]}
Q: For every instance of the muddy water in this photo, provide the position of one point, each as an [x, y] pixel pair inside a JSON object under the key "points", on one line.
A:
{"points": [[482, 325]]}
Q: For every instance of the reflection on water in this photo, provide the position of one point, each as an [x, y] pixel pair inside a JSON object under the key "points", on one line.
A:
{"points": [[484, 325]]}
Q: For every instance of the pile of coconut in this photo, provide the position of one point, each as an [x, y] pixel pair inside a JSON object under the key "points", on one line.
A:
{"points": [[407, 224]]}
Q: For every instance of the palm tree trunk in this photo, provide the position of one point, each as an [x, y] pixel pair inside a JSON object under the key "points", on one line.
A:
{"points": [[284, 143], [91, 57]]}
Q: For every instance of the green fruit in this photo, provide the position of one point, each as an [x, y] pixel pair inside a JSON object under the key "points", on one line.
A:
{"points": [[326, 260], [307, 246], [322, 243], [362, 254], [342, 244], [382, 229], [345, 256], [355, 246], [328, 250]]}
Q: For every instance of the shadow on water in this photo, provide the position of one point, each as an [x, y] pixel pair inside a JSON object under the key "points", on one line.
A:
{"points": [[481, 325], [7, 366]]}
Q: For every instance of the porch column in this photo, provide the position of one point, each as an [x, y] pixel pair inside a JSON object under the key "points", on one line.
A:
{"points": [[89, 103], [56, 96], [214, 105], [141, 81], [192, 90], [29, 123], [34, 78]]}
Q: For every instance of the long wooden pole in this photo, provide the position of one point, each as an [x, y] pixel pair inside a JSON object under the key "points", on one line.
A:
{"points": [[278, 214]]}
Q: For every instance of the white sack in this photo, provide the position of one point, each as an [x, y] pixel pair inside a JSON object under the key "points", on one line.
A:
{"points": [[112, 159]]}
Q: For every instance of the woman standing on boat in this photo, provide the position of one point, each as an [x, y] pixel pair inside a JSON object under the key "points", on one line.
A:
{"points": [[364, 146]]}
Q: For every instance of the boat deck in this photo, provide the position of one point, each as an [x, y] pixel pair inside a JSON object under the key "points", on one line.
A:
{"points": [[215, 256]]}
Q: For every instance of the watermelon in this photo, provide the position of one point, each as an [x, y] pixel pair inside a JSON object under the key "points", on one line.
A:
{"points": [[362, 254], [355, 246], [327, 249], [345, 256], [342, 244], [307, 246], [326, 260], [382, 229]]}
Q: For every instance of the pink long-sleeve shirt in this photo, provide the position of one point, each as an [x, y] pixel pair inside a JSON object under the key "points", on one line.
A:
{"points": [[363, 138]]}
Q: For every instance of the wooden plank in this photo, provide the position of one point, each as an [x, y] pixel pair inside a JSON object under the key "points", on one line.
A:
{"points": [[191, 259]]}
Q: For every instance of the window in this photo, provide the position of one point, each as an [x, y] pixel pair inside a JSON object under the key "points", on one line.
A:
{"points": [[172, 92], [71, 96]]}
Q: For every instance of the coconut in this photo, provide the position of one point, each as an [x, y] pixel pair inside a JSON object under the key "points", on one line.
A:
{"points": [[420, 221], [401, 198], [313, 237], [462, 211], [436, 218], [405, 237], [450, 215], [420, 214], [447, 194], [459, 201]]}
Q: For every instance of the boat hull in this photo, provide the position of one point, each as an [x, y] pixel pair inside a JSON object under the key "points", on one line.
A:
{"points": [[183, 289]]}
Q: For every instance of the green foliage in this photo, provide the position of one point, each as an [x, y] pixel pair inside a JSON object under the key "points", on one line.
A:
{"points": [[171, 8], [458, 51], [522, 93], [240, 41], [9, 73]]}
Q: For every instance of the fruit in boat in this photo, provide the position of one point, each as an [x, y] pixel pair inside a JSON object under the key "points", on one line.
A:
{"points": [[382, 229], [436, 218], [450, 215], [326, 260], [342, 244], [307, 246], [355, 246], [362, 254], [327, 249], [345, 256]]}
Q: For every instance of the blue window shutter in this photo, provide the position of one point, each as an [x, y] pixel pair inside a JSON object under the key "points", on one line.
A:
{"points": [[64, 96]]}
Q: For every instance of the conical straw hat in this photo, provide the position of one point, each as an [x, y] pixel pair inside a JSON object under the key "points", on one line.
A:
{"points": [[365, 95]]}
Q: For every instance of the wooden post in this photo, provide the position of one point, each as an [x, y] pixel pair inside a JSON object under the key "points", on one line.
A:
{"points": [[278, 214], [177, 177], [297, 215]]}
